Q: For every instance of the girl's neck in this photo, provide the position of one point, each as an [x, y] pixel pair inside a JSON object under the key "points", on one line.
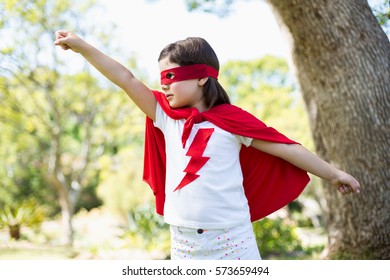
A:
{"points": [[201, 107]]}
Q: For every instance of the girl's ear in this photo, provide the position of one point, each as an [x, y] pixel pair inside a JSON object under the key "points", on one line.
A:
{"points": [[202, 81]]}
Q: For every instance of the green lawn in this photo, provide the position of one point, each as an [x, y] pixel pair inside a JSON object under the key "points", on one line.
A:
{"points": [[96, 237], [44, 253]]}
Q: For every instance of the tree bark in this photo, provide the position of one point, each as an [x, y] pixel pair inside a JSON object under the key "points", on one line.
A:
{"points": [[342, 63]]}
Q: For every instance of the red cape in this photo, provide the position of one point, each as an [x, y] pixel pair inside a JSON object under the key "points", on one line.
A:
{"points": [[269, 182]]}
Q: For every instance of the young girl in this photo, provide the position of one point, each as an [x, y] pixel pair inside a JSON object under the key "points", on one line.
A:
{"points": [[212, 166]]}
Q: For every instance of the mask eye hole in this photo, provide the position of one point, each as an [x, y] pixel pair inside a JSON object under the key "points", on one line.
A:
{"points": [[170, 75]]}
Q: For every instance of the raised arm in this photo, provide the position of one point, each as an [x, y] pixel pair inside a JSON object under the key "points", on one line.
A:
{"points": [[114, 71], [306, 160]]}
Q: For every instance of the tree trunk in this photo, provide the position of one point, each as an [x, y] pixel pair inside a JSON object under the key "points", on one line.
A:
{"points": [[342, 62], [14, 231], [66, 217]]}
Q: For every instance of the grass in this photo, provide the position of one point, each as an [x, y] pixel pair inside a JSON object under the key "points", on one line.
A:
{"points": [[63, 253], [26, 251], [96, 237], [36, 253]]}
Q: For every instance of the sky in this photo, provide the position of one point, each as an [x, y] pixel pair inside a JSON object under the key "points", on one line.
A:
{"points": [[144, 27]]}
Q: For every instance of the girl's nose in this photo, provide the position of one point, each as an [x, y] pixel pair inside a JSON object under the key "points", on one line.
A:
{"points": [[165, 87]]}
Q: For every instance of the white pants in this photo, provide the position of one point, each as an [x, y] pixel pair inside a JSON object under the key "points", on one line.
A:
{"points": [[238, 243]]}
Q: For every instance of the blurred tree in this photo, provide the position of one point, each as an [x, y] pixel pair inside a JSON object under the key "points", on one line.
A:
{"points": [[57, 124], [342, 60], [20, 178], [124, 171], [266, 89]]}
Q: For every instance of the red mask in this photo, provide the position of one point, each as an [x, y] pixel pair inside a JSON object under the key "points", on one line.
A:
{"points": [[188, 72]]}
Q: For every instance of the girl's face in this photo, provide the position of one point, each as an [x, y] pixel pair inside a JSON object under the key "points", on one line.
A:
{"points": [[187, 93]]}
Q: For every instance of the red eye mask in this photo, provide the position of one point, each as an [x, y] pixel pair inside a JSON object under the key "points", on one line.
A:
{"points": [[188, 72]]}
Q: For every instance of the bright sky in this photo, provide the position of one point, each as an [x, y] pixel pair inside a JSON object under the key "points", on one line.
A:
{"points": [[146, 26]]}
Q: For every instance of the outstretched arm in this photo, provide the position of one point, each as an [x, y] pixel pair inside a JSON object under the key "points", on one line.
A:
{"points": [[306, 160], [114, 71]]}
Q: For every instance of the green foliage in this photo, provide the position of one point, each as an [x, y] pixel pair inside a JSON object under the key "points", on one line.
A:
{"points": [[20, 177], [381, 10], [147, 229], [88, 197], [221, 8], [121, 187], [265, 88], [28, 214], [53, 122], [276, 237]]}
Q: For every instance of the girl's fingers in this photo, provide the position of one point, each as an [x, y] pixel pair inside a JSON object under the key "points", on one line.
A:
{"points": [[342, 189], [62, 43], [347, 184], [347, 189], [61, 33]]}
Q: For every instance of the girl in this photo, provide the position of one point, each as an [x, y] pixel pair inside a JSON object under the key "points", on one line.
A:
{"points": [[213, 167]]}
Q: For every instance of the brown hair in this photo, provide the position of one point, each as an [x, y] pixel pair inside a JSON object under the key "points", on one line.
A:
{"points": [[196, 50]]}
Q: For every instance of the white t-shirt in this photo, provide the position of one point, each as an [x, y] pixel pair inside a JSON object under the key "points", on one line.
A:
{"points": [[215, 199]]}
